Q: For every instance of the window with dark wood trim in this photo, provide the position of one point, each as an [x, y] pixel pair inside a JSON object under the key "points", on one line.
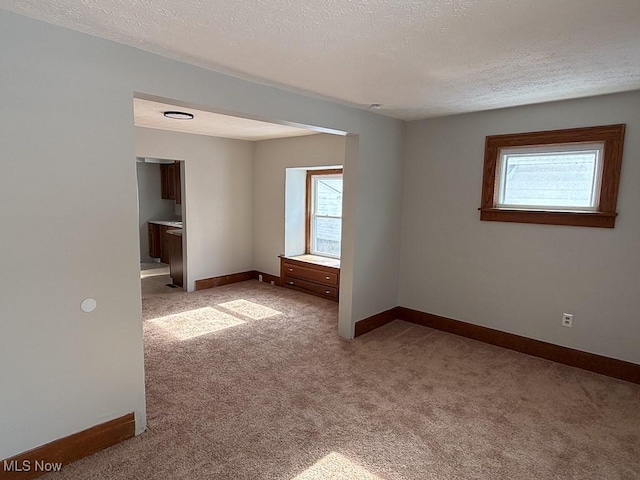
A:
{"points": [[601, 214], [312, 177]]}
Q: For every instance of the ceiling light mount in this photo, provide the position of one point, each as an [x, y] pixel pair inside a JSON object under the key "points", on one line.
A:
{"points": [[178, 115], [375, 106]]}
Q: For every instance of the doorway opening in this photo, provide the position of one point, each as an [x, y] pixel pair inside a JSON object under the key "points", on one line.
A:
{"points": [[161, 225], [234, 170]]}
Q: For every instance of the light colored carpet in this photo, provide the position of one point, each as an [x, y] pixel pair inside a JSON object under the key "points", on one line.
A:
{"points": [[250, 381], [154, 278], [149, 269]]}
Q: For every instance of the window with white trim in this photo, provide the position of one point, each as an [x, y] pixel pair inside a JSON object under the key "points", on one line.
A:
{"points": [[555, 177], [324, 198], [562, 177]]}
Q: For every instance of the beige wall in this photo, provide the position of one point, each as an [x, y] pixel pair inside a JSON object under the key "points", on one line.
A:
{"points": [[272, 158], [67, 126], [218, 199], [515, 277]]}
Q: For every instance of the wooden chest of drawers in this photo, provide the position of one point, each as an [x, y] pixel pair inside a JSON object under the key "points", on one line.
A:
{"points": [[314, 278]]}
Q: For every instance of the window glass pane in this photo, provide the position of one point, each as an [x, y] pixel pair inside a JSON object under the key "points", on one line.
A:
{"points": [[327, 235], [329, 196], [555, 179]]}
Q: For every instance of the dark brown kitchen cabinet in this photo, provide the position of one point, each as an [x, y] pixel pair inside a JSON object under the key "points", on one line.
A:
{"points": [[158, 242], [167, 181], [165, 254], [174, 240], [170, 181], [154, 240]]}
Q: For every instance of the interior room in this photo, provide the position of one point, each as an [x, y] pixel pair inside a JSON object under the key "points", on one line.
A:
{"points": [[224, 160], [468, 311]]}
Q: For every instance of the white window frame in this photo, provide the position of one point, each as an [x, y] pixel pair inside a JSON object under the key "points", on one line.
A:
{"points": [[548, 150], [315, 176]]}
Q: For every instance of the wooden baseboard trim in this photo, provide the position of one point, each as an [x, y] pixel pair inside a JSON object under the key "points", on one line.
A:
{"points": [[267, 278], [611, 367], [54, 455], [225, 279], [375, 321], [236, 277]]}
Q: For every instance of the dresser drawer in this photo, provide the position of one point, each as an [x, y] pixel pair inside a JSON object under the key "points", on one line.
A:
{"points": [[293, 270], [322, 290]]}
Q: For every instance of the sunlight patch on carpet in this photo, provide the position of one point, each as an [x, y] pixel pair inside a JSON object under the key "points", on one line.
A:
{"points": [[250, 309], [194, 323], [336, 466]]}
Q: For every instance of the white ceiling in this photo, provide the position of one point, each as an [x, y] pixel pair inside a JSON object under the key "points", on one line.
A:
{"points": [[419, 58], [147, 113]]}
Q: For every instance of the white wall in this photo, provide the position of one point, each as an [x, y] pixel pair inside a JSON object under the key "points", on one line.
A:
{"points": [[151, 205], [68, 138], [272, 158], [515, 277], [295, 211], [218, 198]]}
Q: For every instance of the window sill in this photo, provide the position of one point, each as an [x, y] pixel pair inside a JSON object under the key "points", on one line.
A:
{"points": [[315, 260], [575, 219]]}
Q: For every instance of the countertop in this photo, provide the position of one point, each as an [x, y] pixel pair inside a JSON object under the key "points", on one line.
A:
{"points": [[168, 223]]}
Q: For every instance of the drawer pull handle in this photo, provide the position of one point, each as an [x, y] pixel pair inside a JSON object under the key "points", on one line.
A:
{"points": [[289, 283], [327, 278], [327, 292], [291, 269]]}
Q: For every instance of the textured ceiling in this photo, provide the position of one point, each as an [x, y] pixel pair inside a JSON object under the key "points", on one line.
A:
{"points": [[147, 113], [419, 58]]}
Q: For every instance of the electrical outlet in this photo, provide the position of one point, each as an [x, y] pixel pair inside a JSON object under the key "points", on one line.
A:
{"points": [[260, 277], [272, 282], [567, 320]]}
